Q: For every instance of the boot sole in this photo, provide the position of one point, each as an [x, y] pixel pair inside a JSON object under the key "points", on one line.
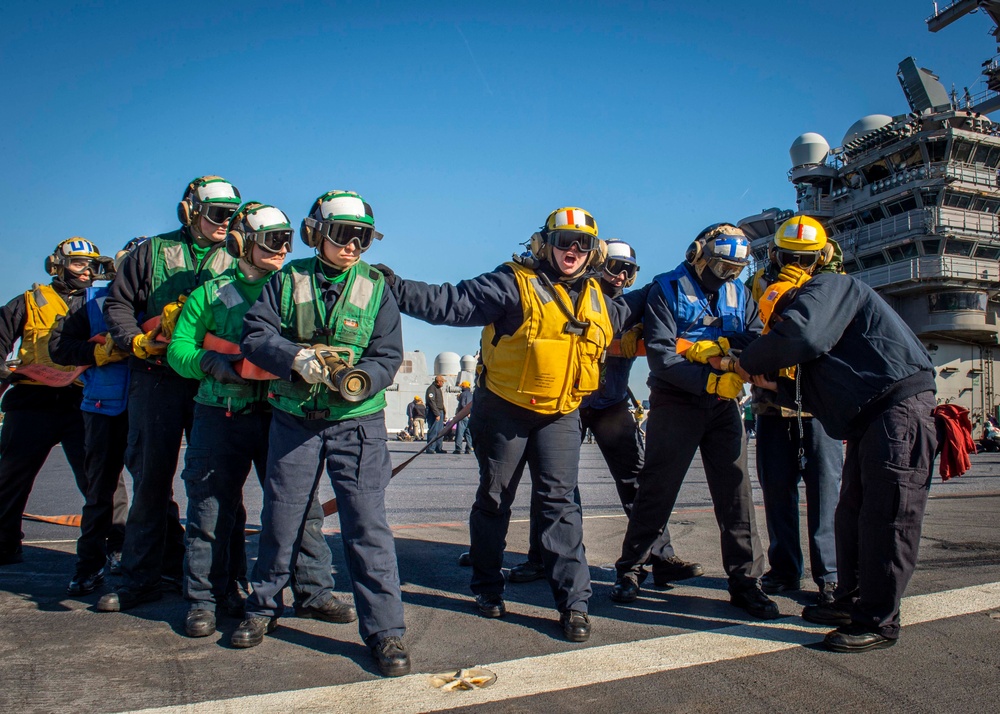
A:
{"points": [[309, 614]]}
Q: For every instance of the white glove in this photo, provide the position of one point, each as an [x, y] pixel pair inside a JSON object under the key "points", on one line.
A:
{"points": [[311, 367]]}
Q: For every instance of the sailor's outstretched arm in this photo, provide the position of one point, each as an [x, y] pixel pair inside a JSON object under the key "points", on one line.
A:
{"points": [[470, 303]]}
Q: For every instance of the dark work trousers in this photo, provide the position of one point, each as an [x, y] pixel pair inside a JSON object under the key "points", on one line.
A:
{"points": [[356, 457], [161, 409], [887, 477], [26, 438], [106, 440], [216, 465], [676, 428], [506, 437], [779, 474], [434, 424], [617, 437]]}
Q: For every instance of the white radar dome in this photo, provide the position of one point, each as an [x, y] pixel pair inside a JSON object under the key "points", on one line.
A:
{"points": [[447, 363], [468, 363], [810, 148], [865, 125]]}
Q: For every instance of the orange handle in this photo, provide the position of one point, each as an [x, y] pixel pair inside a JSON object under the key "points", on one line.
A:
{"points": [[245, 369]]}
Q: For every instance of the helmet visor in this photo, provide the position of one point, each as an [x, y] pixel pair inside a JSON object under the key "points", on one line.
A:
{"points": [[273, 241], [615, 267], [344, 233], [564, 240], [217, 213]]}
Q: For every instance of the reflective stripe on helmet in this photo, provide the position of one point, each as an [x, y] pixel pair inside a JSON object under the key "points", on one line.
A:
{"points": [[219, 190], [731, 247]]}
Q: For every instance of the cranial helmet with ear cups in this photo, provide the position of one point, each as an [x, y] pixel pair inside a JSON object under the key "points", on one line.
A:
{"points": [[621, 258], [202, 193], [253, 223], [569, 223], [802, 241], [722, 248], [75, 247], [345, 207]]}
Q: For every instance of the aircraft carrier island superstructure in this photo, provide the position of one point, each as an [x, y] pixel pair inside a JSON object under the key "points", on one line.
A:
{"points": [[913, 200]]}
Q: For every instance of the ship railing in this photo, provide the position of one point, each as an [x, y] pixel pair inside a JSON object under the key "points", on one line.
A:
{"points": [[976, 174], [884, 231], [944, 219], [933, 267], [816, 204]]}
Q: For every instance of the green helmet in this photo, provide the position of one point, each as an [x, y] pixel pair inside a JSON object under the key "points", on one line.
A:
{"points": [[258, 223], [340, 216]]}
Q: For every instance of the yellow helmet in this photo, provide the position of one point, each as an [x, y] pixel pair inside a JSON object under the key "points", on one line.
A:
{"points": [[571, 218], [801, 240], [775, 297]]}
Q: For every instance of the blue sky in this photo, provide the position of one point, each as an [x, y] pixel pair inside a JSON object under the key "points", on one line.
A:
{"points": [[462, 124]]}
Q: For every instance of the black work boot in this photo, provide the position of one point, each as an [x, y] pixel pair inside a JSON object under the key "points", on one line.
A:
{"points": [[85, 583], [854, 638], [576, 625], [251, 631], [11, 556], [833, 613], [755, 602], [391, 657], [465, 560], [626, 589], [126, 597], [490, 605], [526, 572], [199, 622], [673, 569], [772, 583], [333, 610]]}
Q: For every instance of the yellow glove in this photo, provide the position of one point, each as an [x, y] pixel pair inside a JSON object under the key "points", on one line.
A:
{"points": [[629, 342], [725, 386], [793, 274], [145, 345], [171, 313], [108, 352], [703, 350]]}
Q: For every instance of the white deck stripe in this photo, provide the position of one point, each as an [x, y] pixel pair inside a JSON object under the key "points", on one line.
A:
{"points": [[579, 668]]}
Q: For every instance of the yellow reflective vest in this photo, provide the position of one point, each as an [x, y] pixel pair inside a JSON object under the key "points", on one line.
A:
{"points": [[548, 365], [44, 305]]}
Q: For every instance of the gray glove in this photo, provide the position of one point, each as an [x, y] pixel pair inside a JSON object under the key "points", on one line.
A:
{"points": [[220, 366]]}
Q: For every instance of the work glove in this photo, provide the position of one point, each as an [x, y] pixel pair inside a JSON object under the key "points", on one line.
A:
{"points": [[144, 345], [171, 313], [313, 370], [703, 350], [220, 367], [108, 352], [628, 345], [724, 386], [387, 273], [793, 274]]}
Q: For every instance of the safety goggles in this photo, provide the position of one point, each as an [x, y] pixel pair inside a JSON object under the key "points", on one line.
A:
{"points": [[217, 213], [564, 240], [343, 234], [79, 266], [273, 241], [616, 266], [726, 269]]}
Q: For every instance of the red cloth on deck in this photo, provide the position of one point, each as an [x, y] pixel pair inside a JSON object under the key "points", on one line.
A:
{"points": [[955, 434]]}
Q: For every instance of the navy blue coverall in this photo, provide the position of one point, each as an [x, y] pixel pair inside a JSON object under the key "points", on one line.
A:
{"points": [[356, 457], [869, 380]]}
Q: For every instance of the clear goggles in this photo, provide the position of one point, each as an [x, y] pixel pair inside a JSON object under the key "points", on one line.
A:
{"points": [[564, 240], [726, 269], [616, 266], [100, 268], [217, 213], [274, 240], [343, 234]]}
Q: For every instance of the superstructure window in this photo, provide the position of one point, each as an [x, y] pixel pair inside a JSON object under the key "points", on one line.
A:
{"points": [[850, 266], [957, 200], [929, 197], [908, 157], [907, 203], [932, 246], [936, 150], [848, 224], [899, 253], [875, 171], [984, 204], [956, 246], [871, 215], [957, 301], [987, 253], [873, 260], [961, 151], [987, 155]]}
